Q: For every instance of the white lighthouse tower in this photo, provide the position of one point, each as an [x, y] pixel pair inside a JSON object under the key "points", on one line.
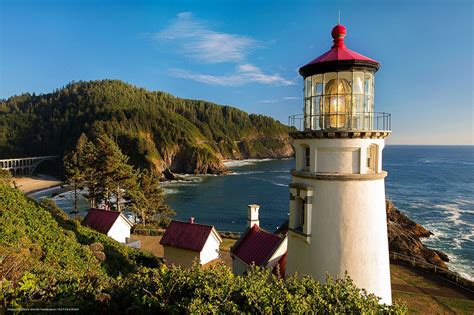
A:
{"points": [[337, 192]]}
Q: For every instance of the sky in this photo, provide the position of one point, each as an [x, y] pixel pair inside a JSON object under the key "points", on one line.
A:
{"points": [[247, 53]]}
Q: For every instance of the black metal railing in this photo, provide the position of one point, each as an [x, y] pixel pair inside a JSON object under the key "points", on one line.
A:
{"points": [[342, 122]]}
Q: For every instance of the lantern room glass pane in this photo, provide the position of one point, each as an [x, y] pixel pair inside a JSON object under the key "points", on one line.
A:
{"points": [[358, 85], [307, 114], [347, 77], [317, 84], [327, 78], [315, 115], [307, 87], [368, 85]]}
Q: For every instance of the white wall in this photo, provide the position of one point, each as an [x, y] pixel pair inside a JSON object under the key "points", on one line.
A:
{"points": [[210, 251], [341, 156], [281, 250], [348, 224], [120, 230], [180, 257]]}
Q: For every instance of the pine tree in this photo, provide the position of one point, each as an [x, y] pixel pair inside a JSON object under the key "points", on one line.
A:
{"points": [[115, 174], [148, 200], [74, 167]]}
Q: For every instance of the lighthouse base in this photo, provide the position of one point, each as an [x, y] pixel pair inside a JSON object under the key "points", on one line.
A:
{"points": [[345, 231]]}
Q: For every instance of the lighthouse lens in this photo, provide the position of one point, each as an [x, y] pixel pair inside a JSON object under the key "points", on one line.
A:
{"points": [[337, 101]]}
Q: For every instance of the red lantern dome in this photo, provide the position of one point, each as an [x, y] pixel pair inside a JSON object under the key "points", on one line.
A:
{"points": [[339, 58]]}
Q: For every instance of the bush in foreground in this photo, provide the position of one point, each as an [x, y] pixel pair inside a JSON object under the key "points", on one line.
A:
{"points": [[218, 290]]}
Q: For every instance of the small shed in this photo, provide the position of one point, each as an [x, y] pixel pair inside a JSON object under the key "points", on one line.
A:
{"points": [[258, 246], [112, 223], [185, 242]]}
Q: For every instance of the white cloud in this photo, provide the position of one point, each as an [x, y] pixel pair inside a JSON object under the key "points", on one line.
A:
{"points": [[286, 98], [244, 74], [195, 39]]}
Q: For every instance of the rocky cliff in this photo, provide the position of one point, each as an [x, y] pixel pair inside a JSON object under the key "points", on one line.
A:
{"points": [[404, 237]]}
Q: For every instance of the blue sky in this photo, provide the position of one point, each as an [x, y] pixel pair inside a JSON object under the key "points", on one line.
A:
{"points": [[247, 53]]}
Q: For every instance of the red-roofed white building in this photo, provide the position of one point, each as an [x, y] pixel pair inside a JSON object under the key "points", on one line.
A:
{"points": [[258, 246], [112, 223], [186, 242]]}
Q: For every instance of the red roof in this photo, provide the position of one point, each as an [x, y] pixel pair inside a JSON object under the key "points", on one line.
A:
{"points": [[256, 246], [186, 235], [100, 220], [339, 51]]}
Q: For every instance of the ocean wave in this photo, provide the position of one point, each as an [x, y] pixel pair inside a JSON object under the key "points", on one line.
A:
{"points": [[43, 191], [240, 163], [461, 266], [270, 181], [169, 191], [247, 173], [444, 161], [453, 213]]}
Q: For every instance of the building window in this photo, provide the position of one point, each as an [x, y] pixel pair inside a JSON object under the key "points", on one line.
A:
{"points": [[302, 212], [372, 158], [306, 161]]}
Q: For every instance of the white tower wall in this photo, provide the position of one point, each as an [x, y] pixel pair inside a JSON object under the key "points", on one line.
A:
{"points": [[345, 225]]}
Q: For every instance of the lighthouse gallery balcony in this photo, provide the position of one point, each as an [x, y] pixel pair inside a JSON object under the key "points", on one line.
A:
{"points": [[342, 122]]}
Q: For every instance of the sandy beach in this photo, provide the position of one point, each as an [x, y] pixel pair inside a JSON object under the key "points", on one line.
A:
{"points": [[29, 184]]}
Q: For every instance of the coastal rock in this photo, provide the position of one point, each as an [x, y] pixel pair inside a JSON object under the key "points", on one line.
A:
{"points": [[404, 237]]}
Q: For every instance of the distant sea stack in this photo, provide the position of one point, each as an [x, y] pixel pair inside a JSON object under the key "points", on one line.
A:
{"points": [[156, 130], [404, 237]]}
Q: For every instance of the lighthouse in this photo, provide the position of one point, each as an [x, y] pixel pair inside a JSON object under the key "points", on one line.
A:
{"points": [[337, 191]]}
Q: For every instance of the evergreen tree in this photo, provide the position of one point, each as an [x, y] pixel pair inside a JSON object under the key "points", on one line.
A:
{"points": [[115, 175], [74, 166], [148, 200]]}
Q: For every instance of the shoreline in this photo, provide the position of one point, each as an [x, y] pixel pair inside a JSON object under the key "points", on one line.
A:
{"points": [[33, 184]]}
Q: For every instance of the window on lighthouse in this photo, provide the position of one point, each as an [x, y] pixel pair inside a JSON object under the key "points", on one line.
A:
{"points": [[372, 158], [300, 213], [306, 161]]}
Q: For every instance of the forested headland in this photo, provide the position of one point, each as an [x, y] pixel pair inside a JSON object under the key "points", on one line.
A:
{"points": [[158, 131]]}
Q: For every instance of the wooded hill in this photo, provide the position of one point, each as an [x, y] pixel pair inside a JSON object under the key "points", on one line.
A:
{"points": [[156, 130]]}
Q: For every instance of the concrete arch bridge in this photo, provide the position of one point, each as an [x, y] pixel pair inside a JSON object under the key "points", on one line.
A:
{"points": [[24, 166]]}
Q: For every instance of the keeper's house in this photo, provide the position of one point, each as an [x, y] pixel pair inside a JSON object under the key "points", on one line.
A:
{"points": [[186, 242], [111, 223]]}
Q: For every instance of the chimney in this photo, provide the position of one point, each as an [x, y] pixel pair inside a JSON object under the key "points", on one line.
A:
{"points": [[191, 220], [252, 218]]}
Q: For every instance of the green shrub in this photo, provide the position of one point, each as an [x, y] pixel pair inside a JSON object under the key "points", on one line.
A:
{"points": [[218, 290]]}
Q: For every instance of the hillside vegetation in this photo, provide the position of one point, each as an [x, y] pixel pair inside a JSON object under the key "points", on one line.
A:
{"points": [[47, 260], [156, 130]]}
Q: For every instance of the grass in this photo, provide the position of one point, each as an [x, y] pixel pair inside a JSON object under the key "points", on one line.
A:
{"points": [[226, 244], [403, 275], [426, 304]]}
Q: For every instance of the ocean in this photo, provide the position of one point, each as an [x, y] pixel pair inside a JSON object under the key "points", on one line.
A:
{"points": [[433, 185]]}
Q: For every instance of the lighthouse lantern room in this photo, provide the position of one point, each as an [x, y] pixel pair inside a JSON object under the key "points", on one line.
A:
{"points": [[337, 192]]}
